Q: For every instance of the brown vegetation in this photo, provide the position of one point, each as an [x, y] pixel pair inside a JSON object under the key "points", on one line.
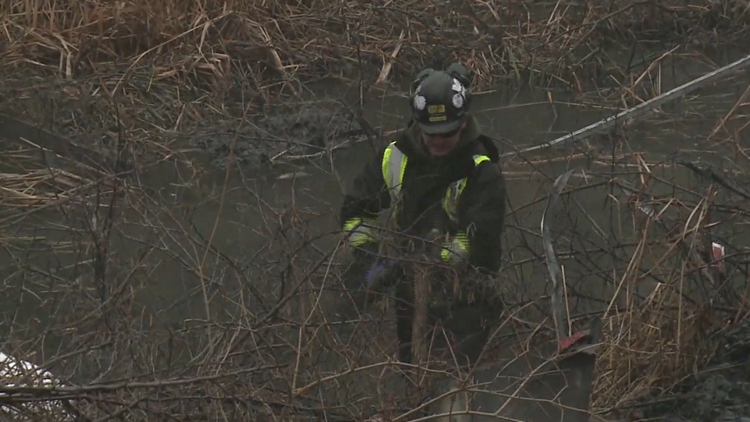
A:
{"points": [[262, 345], [293, 41], [150, 308]]}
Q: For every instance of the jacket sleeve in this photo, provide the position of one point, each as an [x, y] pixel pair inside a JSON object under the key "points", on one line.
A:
{"points": [[365, 198], [482, 215]]}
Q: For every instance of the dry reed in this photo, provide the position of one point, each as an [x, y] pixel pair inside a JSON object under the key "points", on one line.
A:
{"points": [[275, 360], [215, 41], [28, 183], [670, 301], [673, 294]]}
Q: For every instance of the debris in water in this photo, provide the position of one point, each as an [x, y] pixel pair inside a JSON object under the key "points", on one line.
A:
{"points": [[292, 175]]}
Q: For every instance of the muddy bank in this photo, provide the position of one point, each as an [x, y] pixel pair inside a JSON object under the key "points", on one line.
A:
{"points": [[198, 122], [285, 134]]}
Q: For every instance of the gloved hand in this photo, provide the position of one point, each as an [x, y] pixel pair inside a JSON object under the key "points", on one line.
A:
{"points": [[455, 252], [377, 275]]}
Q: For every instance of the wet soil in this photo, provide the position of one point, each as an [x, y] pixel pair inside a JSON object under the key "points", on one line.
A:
{"points": [[284, 133], [177, 119]]}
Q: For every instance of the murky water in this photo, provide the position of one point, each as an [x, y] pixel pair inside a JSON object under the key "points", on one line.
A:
{"points": [[218, 245]]}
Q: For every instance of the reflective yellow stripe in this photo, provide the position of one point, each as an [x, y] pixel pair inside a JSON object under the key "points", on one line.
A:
{"points": [[457, 249], [386, 165], [352, 224], [361, 236], [393, 167], [402, 171], [360, 230], [479, 159], [450, 201]]}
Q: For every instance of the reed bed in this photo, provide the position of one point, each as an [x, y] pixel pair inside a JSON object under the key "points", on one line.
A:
{"points": [[165, 72], [266, 339], [279, 41], [29, 182]]}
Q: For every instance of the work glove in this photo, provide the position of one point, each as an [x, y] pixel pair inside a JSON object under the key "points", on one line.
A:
{"points": [[455, 251], [380, 273]]}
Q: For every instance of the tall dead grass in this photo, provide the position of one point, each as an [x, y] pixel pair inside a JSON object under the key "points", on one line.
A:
{"points": [[672, 299], [246, 331], [674, 242], [291, 41], [34, 178]]}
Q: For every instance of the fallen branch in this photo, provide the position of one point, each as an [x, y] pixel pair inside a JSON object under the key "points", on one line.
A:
{"points": [[388, 62], [555, 272], [641, 109], [54, 390]]}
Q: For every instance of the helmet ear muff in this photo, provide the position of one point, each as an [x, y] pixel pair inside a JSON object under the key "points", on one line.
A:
{"points": [[464, 76], [467, 97], [421, 76], [460, 72]]}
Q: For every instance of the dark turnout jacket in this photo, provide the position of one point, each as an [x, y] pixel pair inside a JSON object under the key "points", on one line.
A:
{"points": [[479, 214], [480, 207]]}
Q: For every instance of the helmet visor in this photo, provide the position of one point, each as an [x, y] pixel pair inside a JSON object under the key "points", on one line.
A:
{"points": [[442, 128]]}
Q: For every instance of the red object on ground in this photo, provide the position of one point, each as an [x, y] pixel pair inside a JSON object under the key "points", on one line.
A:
{"points": [[717, 253], [568, 342]]}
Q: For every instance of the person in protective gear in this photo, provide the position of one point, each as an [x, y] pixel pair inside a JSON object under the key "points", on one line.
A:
{"points": [[440, 175]]}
